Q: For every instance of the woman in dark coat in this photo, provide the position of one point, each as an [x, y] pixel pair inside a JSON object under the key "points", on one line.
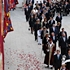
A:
{"points": [[31, 23], [44, 48], [45, 23]]}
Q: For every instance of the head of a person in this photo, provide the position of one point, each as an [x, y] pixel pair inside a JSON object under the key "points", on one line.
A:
{"points": [[47, 35], [36, 1], [58, 51], [38, 21], [62, 29], [31, 16], [50, 41], [40, 1], [45, 19], [58, 24], [53, 34], [58, 14], [69, 51], [44, 28], [51, 18]]}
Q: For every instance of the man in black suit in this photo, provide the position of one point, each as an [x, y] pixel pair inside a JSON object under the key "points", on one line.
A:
{"points": [[57, 60], [63, 31], [63, 44], [66, 8], [53, 29], [27, 13], [59, 18], [37, 25], [51, 22]]}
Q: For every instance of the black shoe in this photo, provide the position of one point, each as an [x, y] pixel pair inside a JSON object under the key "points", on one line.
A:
{"points": [[31, 32], [51, 68], [29, 29], [46, 66]]}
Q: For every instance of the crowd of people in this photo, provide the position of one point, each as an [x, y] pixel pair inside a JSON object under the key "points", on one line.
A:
{"points": [[48, 30]]}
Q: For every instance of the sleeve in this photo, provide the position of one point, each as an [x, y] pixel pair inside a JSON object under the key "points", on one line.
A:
{"points": [[38, 33]]}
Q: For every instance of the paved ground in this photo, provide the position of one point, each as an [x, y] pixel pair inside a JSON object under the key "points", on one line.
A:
{"points": [[21, 51]]}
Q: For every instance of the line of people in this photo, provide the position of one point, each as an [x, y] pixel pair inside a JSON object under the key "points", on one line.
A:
{"points": [[47, 30]]}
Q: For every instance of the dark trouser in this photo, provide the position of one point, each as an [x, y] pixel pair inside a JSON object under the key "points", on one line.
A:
{"points": [[56, 68], [27, 17], [32, 30], [63, 50], [46, 59], [35, 35]]}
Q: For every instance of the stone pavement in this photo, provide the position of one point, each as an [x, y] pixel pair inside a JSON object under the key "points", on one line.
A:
{"points": [[21, 51]]}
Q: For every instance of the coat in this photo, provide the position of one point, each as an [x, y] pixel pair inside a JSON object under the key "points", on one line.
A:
{"points": [[57, 62], [31, 22], [49, 51], [55, 31], [58, 19], [51, 23], [68, 63], [63, 45]]}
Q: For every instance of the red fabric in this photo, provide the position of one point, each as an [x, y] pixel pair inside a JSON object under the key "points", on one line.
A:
{"points": [[7, 21], [12, 3], [1, 40]]}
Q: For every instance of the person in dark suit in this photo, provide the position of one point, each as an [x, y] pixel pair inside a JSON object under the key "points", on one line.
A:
{"points": [[57, 60], [68, 57], [63, 44], [66, 8], [37, 25], [58, 26], [59, 18], [47, 14], [51, 22], [53, 29], [27, 13], [45, 48], [45, 23], [31, 23], [63, 31], [40, 4]]}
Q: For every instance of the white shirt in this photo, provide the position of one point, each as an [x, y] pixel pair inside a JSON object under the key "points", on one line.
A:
{"points": [[51, 44]]}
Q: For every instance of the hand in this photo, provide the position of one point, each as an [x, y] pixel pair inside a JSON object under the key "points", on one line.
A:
{"points": [[68, 44], [47, 50]]}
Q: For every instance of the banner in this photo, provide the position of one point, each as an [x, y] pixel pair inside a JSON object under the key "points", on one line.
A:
{"points": [[12, 4], [1, 40], [7, 21]]}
